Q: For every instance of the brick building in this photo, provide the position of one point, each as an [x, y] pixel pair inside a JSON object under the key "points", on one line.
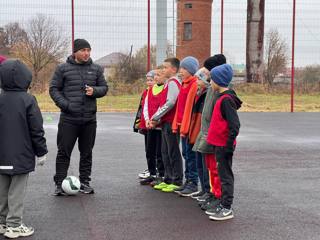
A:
{"points": [[194, 29]]}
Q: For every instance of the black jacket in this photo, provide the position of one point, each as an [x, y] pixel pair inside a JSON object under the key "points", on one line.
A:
{"points": [[21, 130], [67, 89]]}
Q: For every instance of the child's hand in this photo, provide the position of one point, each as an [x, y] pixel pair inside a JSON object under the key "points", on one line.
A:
{"points": [[148, 124], [41, 160], [154, 124]]}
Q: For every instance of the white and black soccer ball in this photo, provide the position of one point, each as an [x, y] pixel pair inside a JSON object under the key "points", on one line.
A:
{"points": [[71, 185]]}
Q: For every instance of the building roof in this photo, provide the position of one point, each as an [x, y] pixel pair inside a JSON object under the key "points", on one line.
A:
{"points": [[110, 59]]}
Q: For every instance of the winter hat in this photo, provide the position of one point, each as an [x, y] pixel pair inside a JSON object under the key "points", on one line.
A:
{"points": [[191, 64], [79, 44], [200, 74], [222, 75], [150, 74], [2, 59], [214, 61]]}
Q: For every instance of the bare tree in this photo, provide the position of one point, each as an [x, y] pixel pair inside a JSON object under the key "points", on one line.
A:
{"points": [[11, 34], [44, 44], [276, 58]]}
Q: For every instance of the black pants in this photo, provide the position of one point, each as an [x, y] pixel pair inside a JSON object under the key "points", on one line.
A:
{"points": [[153, 152], [224, 165], [171, 155], [68, 133]]}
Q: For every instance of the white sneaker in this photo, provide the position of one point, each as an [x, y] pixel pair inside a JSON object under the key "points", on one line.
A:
{"points": [[3, 228], [144, 174], [21, 231]]}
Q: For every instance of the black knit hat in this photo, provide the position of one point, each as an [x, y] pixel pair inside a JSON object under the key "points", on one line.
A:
{"points": [[214, 61], [80, 44]]}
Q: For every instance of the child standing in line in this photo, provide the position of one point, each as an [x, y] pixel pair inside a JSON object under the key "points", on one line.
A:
{"points": [[164, 116], [222, 133], [181, 123], [139, 122], [151, 105], [21, 143], [210, 197]]}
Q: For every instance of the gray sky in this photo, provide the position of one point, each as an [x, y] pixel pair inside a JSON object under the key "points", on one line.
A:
{"points": [[115, 25]]}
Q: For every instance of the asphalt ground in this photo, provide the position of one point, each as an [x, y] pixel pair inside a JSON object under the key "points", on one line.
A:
{"points": [[277, 187]]}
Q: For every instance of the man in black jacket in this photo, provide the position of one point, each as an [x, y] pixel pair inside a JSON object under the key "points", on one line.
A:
{"points": [[74, 88], [21, 140]]}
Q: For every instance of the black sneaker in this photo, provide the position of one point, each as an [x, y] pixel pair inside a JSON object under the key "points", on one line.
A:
{"points": [[178, 190], [189, 190], [156, 181], [205, 197], [212, 204], [58, 191], [85, 188], [147, 180], [197, 194]]}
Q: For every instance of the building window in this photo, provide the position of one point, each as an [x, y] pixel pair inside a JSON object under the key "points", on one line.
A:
{"points": [[187, 34], [188, 5]]}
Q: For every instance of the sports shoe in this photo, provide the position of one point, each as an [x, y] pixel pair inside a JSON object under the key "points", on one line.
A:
{"points": [[148, 180], [3, 228], [21, 231], [85, 188], [160, 186], [205, 197], [211, 204], [221, 214], [197, 194], [144, 174], [170, 188], [58, 191], [179, 189], [156, 181], [190, 189]]}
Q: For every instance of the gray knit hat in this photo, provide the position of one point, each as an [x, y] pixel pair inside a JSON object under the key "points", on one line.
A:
{"points": [[191, 64]]}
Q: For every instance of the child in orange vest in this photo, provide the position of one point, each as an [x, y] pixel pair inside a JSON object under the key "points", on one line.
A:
{"points": [[181, 123]]}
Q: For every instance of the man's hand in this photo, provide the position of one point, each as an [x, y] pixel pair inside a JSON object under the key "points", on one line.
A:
{"points": [[89, 90], [41, 160]]}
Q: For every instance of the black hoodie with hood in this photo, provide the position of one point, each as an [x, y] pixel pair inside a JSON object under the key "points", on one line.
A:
{"points": [[21, 124]]}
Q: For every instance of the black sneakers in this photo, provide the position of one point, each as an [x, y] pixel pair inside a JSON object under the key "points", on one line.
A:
{"points": [[58, 191], [86, 188], [148, 180]]}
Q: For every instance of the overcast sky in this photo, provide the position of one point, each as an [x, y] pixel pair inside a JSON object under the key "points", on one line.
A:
{"points": [[115, 25]]}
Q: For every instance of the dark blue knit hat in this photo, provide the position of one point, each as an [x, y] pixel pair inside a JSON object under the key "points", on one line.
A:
{"points": [[191, 64], [222, 75]]}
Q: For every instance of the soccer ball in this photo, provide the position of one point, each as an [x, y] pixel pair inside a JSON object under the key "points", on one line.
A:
{"points": [[71, 185]]}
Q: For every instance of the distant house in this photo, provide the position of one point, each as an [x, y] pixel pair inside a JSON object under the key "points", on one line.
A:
{"points": [[110, 60]]}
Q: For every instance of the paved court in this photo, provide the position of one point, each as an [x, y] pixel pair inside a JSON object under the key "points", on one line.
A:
{"points": [[277, 187]]}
